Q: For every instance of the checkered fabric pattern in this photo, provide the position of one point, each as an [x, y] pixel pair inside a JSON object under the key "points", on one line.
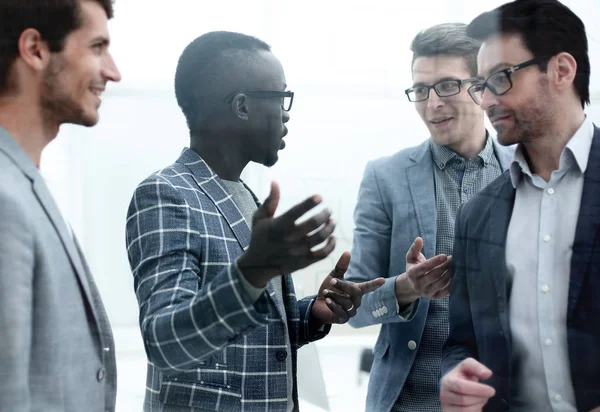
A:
{"points": [[208, 346], [456, 181]]}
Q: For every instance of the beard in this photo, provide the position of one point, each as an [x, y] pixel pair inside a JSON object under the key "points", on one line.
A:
{"points": [[531, 121], [57, 104]]}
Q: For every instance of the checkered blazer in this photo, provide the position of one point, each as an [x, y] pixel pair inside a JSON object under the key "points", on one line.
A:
{"points": [[208, 346]]}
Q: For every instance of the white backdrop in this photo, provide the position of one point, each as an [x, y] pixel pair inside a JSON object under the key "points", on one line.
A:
{"points": [[348, 62]]}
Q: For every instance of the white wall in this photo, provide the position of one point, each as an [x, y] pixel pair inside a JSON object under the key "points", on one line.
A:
{"points": [[348, 62]]}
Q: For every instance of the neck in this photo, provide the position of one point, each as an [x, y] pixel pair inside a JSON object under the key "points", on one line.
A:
{"points": [[543, 152], [24, 121], [217, 152], [471, 145]]}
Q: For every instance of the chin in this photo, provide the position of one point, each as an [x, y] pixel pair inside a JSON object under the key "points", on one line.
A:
{"points": [[271, 160], [443, 139], [88, 119]]}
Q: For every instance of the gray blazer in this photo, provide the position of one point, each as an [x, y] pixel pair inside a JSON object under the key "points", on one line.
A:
{"points": [[56, 347], [396, 203]]}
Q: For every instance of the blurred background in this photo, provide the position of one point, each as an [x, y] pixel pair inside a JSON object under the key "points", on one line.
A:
{"points": [[348, 63]]}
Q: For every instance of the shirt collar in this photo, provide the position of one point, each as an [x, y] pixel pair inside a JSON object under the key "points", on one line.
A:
{"points": [[442, 155], [577, 150]]}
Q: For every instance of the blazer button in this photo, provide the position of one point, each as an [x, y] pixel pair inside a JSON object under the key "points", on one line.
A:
{"points": [[412, 345], [101, 374], [281, 355]]}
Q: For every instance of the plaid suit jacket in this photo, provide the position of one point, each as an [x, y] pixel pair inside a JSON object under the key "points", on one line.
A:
{"points": [[208, 346], [480, 291]]}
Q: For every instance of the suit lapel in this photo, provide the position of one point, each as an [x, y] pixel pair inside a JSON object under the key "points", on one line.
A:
{"points": [[422, 189], [498, 216], [210, 183], [588, 224]]}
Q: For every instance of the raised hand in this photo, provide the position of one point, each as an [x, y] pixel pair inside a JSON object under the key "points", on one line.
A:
{"points": [[338, 299], [280, 245]]}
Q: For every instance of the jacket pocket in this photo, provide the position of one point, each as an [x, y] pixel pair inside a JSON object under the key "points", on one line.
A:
{"points": [[200, 394]]}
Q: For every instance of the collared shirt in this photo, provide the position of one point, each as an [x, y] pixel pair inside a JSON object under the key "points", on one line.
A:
{"points": [[539, 247], [456, 181]]}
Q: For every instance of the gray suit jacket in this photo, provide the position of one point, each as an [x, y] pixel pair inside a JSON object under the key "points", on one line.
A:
{"points": [[396, 203], [56, 347]]}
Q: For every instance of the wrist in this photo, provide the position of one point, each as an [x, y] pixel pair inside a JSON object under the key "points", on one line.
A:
{"points": [[254, 275], [405, 293]]}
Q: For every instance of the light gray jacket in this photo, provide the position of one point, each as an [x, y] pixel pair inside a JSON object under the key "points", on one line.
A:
{"points": [[56, 346]]}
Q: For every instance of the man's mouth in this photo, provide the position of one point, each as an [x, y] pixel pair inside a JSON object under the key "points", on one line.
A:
{"points": [[440, 121]]}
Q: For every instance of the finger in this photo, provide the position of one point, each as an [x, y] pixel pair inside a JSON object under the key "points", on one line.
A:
{"points": [[423, 268], [301, 230], [467, 388], [289, 218], [321, 236], [469, 405], [465, 403], [320, 254], [371, 285], [267, 209], [341, 316], [341, 266], [471, 367], [341, 299], [442, 281], [415, 250], [442, 293]]}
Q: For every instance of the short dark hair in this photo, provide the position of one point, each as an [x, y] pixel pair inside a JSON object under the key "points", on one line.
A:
{"points": [[54, 19], [547, 27], [204, 67], [447, 39]]}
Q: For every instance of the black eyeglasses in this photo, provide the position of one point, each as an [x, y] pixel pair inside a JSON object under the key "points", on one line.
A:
{"points": [[444, 88], [287, 97], [501, 82]]}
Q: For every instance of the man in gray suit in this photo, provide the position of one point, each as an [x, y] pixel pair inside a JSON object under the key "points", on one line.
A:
{"points": [[56, 346], [415, 194]]}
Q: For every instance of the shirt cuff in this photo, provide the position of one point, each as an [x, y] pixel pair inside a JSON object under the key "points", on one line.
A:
{"points": [[252, 291]]}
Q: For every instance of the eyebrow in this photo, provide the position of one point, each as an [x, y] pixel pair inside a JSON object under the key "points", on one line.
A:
{"points": [[499, 67], [443, 79], [101, 39]]}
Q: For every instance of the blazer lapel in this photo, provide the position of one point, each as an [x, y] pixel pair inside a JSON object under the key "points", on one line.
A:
{"points": [[422, 189], [210, 183], [588, 224], [212, 186], [498, 217]]}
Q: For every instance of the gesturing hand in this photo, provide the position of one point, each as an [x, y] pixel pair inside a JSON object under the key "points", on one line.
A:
{"points": [[460, 388], [428, 277], [280, 245], [338, 299]]}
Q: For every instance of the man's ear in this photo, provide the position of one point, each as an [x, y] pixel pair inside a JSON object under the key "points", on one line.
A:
{"points": [[563, 68], [239, 105], [33, 50]]}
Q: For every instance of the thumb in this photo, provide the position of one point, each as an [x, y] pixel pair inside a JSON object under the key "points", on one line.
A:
{"points": [[470, 368], [341, 266], [415, 250], [267, 209]]}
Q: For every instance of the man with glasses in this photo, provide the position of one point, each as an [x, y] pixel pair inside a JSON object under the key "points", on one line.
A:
{"points": [[525, 297], [219, 318], [405, 221]]}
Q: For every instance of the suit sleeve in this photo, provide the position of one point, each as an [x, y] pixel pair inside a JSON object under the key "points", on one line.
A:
{"points": [[183, 318], [371, 254], [16, 300], [461, 342]]}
